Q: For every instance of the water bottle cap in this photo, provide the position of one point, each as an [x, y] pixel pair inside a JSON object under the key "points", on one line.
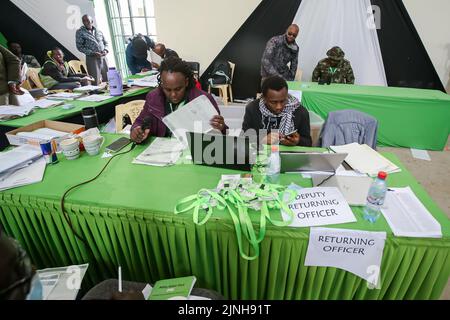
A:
{"points": [[274, 148], [382, 175]]}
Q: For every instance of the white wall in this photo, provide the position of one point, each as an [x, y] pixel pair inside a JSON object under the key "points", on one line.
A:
{"points": [[61, 18], [432, 21], [199, 29]]}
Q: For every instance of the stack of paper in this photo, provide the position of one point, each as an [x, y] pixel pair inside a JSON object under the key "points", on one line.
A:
{"points": [[8, 112], [64, 96], [407, 216], [364, 159], [21, 166], [162, 152], [149, 81], [95, 98], [153, 57], [192, 117], [43, 134], [44, 103], [86, 89]]}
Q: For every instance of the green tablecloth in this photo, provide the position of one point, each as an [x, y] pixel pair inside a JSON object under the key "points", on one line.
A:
{"points": [[407, 117], [127, 218], [58, 112]]}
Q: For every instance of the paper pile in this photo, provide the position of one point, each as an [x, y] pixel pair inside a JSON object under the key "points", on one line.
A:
{"points": [[364, 159], [162, 152], [149, 81], [64, 96]]}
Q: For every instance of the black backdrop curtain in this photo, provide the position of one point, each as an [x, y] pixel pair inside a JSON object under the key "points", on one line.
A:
{"points": [[246, 47], [18, 27], [405, 58]]}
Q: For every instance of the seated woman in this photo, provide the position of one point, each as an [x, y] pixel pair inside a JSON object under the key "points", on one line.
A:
{"points": [[56, 74], [176, 88], [278, 117]]}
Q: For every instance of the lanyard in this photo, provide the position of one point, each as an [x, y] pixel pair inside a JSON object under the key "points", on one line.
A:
{"points": [[259, 198], [333, 70], [182, 103]]}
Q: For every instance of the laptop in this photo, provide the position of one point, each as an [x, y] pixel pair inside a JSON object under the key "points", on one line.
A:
{"points": [[310, 161], [217, 150], [353, 188]]}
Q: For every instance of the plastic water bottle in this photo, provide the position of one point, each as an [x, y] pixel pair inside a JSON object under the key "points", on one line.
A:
{"points": [[375, 198], [115, 82], [274, 165]]}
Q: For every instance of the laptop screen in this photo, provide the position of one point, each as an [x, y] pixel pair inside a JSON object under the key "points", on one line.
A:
{"points": [[222, 151]]}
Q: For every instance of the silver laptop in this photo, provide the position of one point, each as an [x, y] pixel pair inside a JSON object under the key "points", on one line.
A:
{"points": [[306, 161], [353, 188]]}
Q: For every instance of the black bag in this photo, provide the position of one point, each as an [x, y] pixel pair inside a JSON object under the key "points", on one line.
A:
{"points": [[221, 73]]}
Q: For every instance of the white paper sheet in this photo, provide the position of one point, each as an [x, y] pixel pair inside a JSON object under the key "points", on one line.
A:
{"points": [[18, 156], [64, 96], [319, 206], [44, 103], [30, 174], [297, 94], [161, 152], [407, 216], [153, 57], [420, 154], [149, 81], [192, 117], [68, 283], [95, 98], [364, 159], [359, 252], [86, 88]]}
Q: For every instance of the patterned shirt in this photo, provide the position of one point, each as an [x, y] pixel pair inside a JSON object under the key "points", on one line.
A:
{"points": [[342, 73], [277, 55], [90, 42]]}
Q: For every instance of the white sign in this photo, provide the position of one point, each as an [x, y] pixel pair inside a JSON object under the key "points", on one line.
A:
{"points": [[319, 207], [358, 252]]}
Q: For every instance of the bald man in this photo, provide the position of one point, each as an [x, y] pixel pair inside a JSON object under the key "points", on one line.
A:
{"points": [[92, 43], [280, 57]]}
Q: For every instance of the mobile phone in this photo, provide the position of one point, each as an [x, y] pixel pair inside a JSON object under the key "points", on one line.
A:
{"points": [[117, 145], [290, 133]]}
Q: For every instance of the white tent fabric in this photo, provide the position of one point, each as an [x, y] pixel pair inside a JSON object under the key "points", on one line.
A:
{"points": [[347, 24]]}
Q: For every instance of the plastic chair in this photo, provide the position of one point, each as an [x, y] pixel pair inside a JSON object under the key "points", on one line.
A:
{"points": [[34, 79], [77, 66], [132, 109], [223, 88]]}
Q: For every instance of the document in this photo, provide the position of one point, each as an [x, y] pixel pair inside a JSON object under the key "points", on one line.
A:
{"points": [[67, 284], [149, 81], [161, 152], [153, 57], [28, 174], [297, 94], [364, 159], [18, 156], [8, 112], [44, 103], [86, 88], [192, 117], [64, 96], [407, 216], [43, 134], [420, 154], [95, 98]]}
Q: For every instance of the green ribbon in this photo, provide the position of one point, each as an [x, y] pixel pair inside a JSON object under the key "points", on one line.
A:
{"points": [[270, 196]]}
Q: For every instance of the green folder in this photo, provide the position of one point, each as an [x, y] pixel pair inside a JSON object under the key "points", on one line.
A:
{"points": [[171, 288]]}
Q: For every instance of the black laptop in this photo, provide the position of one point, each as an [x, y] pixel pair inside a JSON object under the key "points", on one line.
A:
{"points": [[221, 151]]}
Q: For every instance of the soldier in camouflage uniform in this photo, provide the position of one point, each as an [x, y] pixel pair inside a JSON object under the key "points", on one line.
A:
{"points": [[335, 67]]}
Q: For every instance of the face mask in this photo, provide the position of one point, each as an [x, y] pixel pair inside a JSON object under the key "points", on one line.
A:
{"points": [[36, 289]]}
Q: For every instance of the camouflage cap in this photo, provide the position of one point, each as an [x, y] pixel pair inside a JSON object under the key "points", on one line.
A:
{"points": [[336, 53]]}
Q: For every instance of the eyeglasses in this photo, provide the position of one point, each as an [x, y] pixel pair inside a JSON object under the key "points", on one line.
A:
{"points": [[23, 265]]}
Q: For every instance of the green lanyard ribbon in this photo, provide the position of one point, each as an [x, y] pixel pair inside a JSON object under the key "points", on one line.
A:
{"points": [[243, 198]]}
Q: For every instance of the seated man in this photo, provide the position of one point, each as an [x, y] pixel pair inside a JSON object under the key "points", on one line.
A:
{"points": [[164, 52], [334, 69], [136, 54], [56, 74], [277, 111], [30, 60], [176, 88]]}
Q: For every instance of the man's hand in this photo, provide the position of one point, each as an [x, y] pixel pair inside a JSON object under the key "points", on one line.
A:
{"points": [[217, 122], [104, 53], [137, 135], [291, 140], [88, 78], [271, 138], [98, 54], [14, 88]]}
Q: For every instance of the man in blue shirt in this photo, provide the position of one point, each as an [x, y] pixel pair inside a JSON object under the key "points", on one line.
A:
{"points": [[136, 54]]}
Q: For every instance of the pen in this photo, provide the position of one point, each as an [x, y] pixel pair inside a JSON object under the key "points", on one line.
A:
{"points": [[120, 279]]}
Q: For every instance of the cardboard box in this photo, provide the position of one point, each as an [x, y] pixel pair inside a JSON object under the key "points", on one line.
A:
{"points": [[70, 128]]}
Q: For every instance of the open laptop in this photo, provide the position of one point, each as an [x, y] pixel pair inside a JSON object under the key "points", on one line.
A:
{"points": [[310, 161], [353, 188], [221, 151]]}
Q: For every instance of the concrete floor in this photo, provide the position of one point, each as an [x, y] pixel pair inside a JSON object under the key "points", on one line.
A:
{"points": [[433, 176]]}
